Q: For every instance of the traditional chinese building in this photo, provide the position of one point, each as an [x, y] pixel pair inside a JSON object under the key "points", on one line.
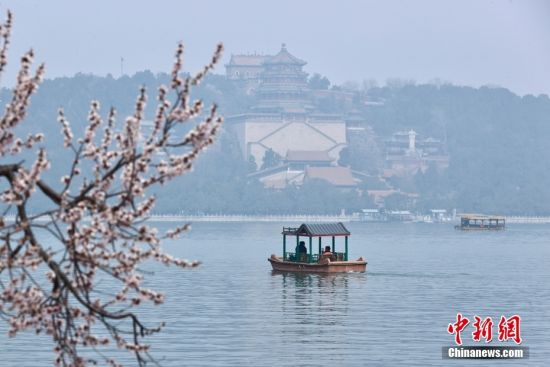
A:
{"points": [[246, 70], [301, 159], [340, 177], [284, 118], [283, 86], [298, 171]]}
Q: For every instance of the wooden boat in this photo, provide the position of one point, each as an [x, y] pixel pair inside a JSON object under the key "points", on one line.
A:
{"points": [[328, 261], [469, 222]]}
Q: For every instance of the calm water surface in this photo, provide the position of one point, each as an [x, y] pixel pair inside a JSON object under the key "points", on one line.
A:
{"points": [[234, 311]]}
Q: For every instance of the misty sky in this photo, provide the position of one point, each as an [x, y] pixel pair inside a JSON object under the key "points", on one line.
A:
{"points": [[477, 42]]}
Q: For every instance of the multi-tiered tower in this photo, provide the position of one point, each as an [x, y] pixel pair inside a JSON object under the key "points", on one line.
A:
{"points": [[283, 85]]}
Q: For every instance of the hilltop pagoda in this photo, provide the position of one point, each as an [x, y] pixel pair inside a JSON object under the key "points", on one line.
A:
{"points": [[283, 85]]}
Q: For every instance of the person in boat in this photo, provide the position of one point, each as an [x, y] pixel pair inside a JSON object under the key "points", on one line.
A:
{"points": [[327, 252], [302, 251]]}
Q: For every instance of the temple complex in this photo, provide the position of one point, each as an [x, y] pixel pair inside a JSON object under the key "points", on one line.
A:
{"points": [[303, 142], [284, 119]]}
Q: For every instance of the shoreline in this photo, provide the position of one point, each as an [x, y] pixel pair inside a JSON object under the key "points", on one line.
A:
{"points": [[321, 218], [313, 218]]}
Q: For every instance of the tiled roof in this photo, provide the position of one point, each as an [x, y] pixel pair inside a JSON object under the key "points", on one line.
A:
{"points": [[337, 176], [248, 60], [284, 57], [319, 229]]}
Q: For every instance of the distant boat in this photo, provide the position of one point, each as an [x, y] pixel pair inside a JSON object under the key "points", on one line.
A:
{"points": [[481, 222], [326, 260]]}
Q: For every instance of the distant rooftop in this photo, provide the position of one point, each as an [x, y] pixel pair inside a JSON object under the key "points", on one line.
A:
{"points": [[248, 60], [318, 229], [337, 176], [480, 216], [284, 57]]}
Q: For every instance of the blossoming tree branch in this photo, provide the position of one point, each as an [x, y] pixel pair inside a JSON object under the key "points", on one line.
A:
{"points": [[97, 215]]}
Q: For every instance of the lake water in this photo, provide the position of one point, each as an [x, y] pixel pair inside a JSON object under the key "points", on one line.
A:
{"points": [[234, 311]]}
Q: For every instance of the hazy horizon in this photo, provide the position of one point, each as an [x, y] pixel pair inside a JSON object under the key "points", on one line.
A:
{"points": [[472, 43]]}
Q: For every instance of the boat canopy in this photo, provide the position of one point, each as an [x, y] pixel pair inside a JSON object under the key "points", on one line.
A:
{"points": [[481, 217], [318, 230]]}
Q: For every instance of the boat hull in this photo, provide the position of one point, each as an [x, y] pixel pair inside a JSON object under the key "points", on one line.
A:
{"points": [[474, 228], [326, 266]]}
